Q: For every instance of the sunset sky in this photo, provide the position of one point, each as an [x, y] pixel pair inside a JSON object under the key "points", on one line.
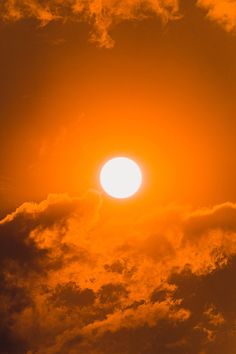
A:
{"points": [[83, 81]]}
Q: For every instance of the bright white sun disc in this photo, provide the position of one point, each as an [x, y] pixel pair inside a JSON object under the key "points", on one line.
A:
{"points": [[120, 177]]}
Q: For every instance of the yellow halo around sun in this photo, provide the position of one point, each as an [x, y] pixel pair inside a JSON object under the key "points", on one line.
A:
{"points": [[120, 177]]}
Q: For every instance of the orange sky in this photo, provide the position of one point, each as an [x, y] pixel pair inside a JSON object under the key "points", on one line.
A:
{"points": [[163, 94], [82, 81]]}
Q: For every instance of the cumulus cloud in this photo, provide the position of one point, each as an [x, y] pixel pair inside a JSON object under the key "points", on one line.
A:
{"points": [[71, 284], [221, 11], [101, 14]]}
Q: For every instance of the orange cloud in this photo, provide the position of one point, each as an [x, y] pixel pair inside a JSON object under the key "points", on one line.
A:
{"points": [[70, 284], [223, 12], [101, 14]]}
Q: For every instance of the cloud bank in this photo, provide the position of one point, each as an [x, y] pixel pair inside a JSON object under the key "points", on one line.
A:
{"points": [[72, 284], [102, 15]]}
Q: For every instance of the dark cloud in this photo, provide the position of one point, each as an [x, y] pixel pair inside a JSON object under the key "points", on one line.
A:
{"points": [[13, 300], [66, 287], [112, 293], [211, 300], [70, 295]]}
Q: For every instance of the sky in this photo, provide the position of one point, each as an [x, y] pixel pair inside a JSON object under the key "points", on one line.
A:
{"points": [[81, 82]]}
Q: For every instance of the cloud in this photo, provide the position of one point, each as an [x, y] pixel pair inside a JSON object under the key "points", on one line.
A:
{"points": [[221, 11], [101, 14], [73, 284]]}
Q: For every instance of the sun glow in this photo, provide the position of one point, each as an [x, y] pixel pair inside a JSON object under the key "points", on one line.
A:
{"points": [[120, 177]]}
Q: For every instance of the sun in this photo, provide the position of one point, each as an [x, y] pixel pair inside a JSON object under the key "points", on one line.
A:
{"points": [[120, 177]]}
